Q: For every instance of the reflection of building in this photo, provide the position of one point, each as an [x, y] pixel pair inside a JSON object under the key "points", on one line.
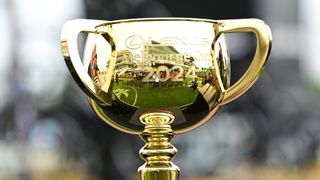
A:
{"points": [[124, 63], [151, 55], [155, 63], [160, 54], [124, 56], [124, 60]]}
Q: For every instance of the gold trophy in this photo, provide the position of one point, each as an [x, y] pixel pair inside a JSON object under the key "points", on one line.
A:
{"points": [[159, 77]]}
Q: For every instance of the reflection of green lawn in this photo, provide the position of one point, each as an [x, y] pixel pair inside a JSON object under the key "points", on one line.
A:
{"points": [[155, 97], [131, 93]]}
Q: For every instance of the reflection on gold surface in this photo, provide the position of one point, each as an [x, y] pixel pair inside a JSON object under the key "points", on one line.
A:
{"points": [[164, 67], [141, 65]]}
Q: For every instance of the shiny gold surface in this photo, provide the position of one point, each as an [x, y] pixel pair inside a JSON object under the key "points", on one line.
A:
{"points": [[158, 151], [156, 66], [160, 76], [263, 36]]}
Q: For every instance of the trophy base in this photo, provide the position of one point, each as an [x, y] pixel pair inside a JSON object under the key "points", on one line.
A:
{"points": [[158, 151]]}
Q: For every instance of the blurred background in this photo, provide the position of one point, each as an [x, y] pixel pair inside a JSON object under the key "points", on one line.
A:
{"points": [[48, 130]]}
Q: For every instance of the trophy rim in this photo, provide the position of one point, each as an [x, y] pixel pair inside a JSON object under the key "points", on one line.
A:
{"points": [[152, 19]]}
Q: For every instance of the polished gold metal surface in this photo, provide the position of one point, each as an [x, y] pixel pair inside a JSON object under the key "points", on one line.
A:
{"points": [[158, 151], [157, 77]]}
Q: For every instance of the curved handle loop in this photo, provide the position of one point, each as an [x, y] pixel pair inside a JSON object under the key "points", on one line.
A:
{"points": [[69, 46], [263, 36]]}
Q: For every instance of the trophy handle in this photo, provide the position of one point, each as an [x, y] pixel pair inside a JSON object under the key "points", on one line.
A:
{"points": [[263, 36], [69, 45]]}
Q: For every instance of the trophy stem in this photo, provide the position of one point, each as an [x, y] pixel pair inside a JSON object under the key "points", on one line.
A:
{"points": [[158, 151]]}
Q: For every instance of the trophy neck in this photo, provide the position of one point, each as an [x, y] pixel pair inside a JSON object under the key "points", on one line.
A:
{"points": [[158, 151], [157, 119]]}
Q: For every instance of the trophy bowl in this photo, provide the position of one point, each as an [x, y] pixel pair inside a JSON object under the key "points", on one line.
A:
{"points": [[158, 77]]}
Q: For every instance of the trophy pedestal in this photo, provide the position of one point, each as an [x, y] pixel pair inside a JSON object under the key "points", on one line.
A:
{"points": [[158, 151]]}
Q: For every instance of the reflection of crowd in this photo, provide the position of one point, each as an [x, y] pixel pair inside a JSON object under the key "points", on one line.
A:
{"points": [[136, 79], [209, 78], [93, 67], [171, 76], [194, 84], [132, 78], [164, 78]]}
